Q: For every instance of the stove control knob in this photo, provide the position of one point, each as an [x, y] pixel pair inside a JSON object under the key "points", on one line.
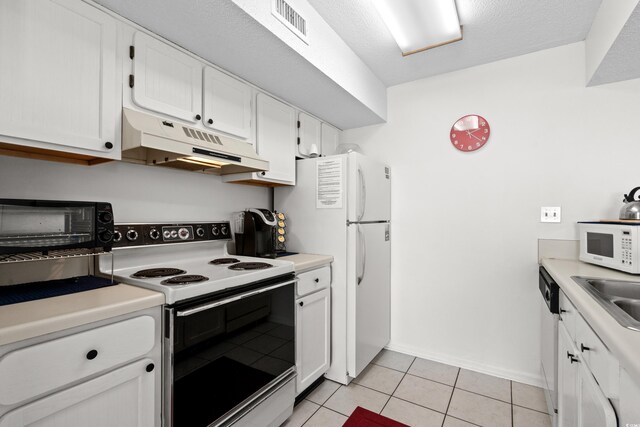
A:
{"points": [[132, 235], [117, 236], [105, 217], [214, 230], [105, 236], [154, 234], [166, 234], [183, 233], [200, 231], [173, 234], [224, 230]]}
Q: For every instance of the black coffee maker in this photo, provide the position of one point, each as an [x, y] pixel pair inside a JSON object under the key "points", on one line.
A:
{"points": [[257, 234]]}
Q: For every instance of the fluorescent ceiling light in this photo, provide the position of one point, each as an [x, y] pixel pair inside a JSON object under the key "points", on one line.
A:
{"points": [[203, 162], [419, 25]]}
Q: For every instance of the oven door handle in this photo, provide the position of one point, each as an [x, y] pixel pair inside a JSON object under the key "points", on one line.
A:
{"points": [[204, 307]]}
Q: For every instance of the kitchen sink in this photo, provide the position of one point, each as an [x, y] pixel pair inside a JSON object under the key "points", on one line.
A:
{"points": [[620, 298]]}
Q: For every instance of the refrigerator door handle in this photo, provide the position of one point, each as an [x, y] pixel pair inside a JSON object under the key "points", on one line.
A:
{"points": [[362, 249], [363, 195]]}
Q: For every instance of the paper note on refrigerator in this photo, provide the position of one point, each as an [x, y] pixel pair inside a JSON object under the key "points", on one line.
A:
{"points": [[329, 184]]}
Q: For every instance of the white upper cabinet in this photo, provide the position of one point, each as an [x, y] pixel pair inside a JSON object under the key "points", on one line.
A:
{"points": [[275, 143], [276, 133], [59, 83], [227, 104], [166, 80], [309, 135], [330, 140]]}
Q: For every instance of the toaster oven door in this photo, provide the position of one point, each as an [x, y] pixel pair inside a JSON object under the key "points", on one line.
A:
{"points": [[28, 226]]}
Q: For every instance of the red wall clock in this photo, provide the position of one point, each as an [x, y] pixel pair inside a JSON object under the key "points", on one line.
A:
{"points": [[470, 133]]}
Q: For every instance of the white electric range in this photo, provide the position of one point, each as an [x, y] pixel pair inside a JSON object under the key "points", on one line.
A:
{"points": [[229, 329]]}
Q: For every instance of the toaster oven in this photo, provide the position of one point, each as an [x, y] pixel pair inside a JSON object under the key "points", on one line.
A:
{"points": [[51, 225]]}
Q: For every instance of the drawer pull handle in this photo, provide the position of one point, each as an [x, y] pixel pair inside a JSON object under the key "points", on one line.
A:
{"points": [[150, 367], [301, 303], [562, 311], [583, 348], [317, 280], [573, 359], [92, 354]]}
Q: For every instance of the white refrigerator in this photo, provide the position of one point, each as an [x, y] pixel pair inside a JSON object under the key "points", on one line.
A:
{"points": [[340, 206]]}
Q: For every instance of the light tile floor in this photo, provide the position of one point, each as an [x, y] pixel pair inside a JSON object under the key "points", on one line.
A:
{"points": [[423, 393]]}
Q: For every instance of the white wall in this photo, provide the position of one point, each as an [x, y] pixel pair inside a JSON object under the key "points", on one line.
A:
{"points": [[465, 225], [138, 193]]}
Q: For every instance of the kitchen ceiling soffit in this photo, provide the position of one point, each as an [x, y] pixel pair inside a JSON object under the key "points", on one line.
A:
{"points": [[325, 78], [613, 43]]}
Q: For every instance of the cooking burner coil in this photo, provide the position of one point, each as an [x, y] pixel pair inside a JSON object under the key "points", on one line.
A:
{"points": [[157, 272], [184, 280], [250, 266], [221, 261]]}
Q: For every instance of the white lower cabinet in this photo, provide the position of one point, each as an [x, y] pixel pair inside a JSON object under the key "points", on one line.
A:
{"points": [[124, 398], [102, 374], [313, 327], [581, 401]]}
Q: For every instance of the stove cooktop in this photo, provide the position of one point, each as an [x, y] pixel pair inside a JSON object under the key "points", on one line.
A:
{"points": [[196, 259]]}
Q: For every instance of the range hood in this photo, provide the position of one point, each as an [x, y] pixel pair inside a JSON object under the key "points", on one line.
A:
{"points": [[156, 141]]}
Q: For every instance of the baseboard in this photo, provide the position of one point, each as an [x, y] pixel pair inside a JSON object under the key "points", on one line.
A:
{"points": [[522, 377]]}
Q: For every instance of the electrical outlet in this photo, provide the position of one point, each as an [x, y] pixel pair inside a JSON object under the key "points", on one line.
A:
{"points": [[550, 214]]}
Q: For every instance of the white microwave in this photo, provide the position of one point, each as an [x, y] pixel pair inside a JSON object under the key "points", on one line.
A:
{"points": [[612, 245]]}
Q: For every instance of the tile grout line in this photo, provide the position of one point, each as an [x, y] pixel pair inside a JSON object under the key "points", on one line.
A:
{"points": [[483, 395], [531, 409], [321, 406], [451, 397], [312, 414], [396, 388], [511, 390], [331, 395]]}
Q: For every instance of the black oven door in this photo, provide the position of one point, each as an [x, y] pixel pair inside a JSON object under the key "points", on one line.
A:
{"points": [[226, 352]]}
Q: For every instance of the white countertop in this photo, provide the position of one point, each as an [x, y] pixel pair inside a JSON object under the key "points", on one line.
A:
{"points": [[306, 262], [622, 342], [34, 318]]}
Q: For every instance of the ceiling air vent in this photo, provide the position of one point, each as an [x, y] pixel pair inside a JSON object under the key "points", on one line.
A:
{"points": [[290, 18], [203, 136]]}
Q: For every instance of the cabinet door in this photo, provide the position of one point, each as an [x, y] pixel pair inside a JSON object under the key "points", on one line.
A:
{"points": [[166, 80], [227, 104], [567, 379], [58, 80], [312, 338], [276, 134], [124, 398], [309, 135], [330, 140], [568, 314], [594, 409]]}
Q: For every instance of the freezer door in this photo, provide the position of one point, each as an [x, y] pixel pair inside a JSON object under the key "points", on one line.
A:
{"points": [[368, 293], [369, 189]]}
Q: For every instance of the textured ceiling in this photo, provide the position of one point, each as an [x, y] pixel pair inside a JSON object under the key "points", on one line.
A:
{"points": [[493, 30], [622, 62]]}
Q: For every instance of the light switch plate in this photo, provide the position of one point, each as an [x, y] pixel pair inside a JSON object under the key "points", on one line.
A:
{"points": [[550, 214]]}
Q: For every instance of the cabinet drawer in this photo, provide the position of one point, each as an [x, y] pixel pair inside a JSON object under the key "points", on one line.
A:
{"points": [[313, 280], [602, 364], [31, 371]]}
